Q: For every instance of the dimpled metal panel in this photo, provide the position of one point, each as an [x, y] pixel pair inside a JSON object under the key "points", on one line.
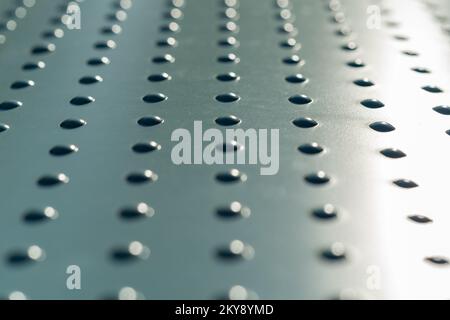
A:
{"points": [[358, 209]]}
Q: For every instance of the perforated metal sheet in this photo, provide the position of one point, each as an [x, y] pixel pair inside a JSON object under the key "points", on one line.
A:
{"points": [[384, 232]]}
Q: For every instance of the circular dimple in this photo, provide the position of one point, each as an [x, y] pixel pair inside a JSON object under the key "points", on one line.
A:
{"points": [[32, 254], [336, 252], [372, 103], [133, 251], [327, 212], [287, 28], [98, 61], [357, 63], [401, 37], [150, 121], [81, 101], [72, 123], [236, 250], [146, 147], [364, 82], [438, 260], [410, 53], [305, 123], [59, 151], [141, 210], [445, 110], [167, 58], [405, 184], [318, 178], [91, 79], [289, 43], [38, 216], [33, 66], [230, 26], [22, 84], [296, 78], [53, 180], [3, 127], [170, 27], [300, 99], [226, 77], [229, 42], [350, 46], [344, 31], [9, 105], [227, 97], [154, 98], [294, 59], [231, 146], [43, 49], [311, 148], [420, 219], [234, 210], [103, 45], [447, 132], [113, 30], [142, 177], [228, 121], [421, 70], [159, 77], [382, 126], [231, 176], [393, 153], [432, 89], [169, 42], [229, 58]]}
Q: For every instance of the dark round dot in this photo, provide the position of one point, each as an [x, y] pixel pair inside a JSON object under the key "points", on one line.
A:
{"points": [[351, 46], [393, 153], [405, 183], [154, 98], [22, 84], [438, 260], [150, 121], [159, 77], [421, 70], [336, 252], [3, 127], [39, 216], [98, 61], [447, 132], [227, 97], [229, 58], [52, 180], [382, 126], [146, 147], [296, 78], [72, 124], [81, 101], [226, 77], [420, 219], [141, 210], [357, 63], [91, 79], [231, 176], [372, 103], [167, 58], [227, 121], [432, 89], [234, 210], [363, 82], [43, 49], [33, 66], [142, 177], [311, 148], [9, 105], [327, 212], [318, 178], [305, 123], [103, 45], [445, 110], [300, 99], [294, 59], [63, 150]]}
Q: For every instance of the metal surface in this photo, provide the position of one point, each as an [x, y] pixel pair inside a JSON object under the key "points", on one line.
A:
{"points": [[378, 244]]}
